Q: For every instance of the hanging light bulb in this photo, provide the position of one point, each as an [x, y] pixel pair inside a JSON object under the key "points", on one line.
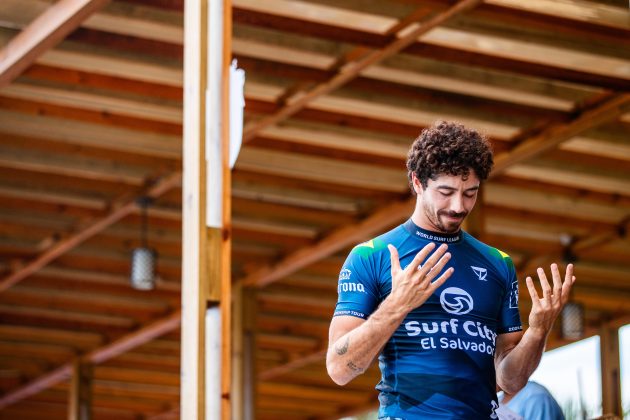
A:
{"points": [[143, 258], [572, 321]]}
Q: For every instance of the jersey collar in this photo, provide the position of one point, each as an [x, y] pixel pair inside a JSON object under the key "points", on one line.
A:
{"points": [[418, 232]]}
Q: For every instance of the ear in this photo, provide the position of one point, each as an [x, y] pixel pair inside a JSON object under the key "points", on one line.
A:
{"points": [[417, 186]]}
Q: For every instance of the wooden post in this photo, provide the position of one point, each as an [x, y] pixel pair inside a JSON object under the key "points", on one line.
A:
{"points": [[610, 370], [249, 356], [206, 285], [80, 404], [237, 351]]}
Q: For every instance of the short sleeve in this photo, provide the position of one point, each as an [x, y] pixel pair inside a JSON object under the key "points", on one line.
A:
{"points": [[509, 318], [357, 286]]}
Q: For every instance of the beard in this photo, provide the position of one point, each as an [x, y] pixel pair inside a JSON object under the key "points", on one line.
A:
{"points": [[441, 223]]}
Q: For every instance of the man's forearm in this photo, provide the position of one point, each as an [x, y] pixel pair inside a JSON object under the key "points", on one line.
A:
{"points": [[351, 354], [516, 367]]}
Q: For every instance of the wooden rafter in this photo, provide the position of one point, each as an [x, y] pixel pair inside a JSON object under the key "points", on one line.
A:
{"points": [[97, 356], [586, 244], [553, 135], [352, 68], [391, 214], [292, 365], [46, 31], [119, 210], [336, 241]]}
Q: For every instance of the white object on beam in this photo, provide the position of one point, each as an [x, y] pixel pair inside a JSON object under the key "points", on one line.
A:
{"points": [[237, 103]]}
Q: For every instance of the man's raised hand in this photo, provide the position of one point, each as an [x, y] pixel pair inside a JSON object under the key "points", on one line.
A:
{"points": [[412, 286], [545, 309]]}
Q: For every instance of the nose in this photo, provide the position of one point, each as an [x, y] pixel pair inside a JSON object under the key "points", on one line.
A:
{"points": [[457, 204]]}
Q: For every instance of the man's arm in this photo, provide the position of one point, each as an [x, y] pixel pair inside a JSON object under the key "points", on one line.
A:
{"points": [[518, 354], [354, 343]]}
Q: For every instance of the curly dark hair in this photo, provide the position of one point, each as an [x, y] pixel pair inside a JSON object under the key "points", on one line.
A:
{"points": [[448, 148]]}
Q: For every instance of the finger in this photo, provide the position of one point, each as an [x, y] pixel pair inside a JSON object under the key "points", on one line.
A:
{"points": [[544, 283], [393, 256], [532, 291], [440, 280], [569, 279], [420, 257], [432, 260], [437, 268], [568, 276], [557, 280]]}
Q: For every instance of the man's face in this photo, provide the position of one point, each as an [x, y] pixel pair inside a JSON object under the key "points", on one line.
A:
{"points": [[447, 200]]}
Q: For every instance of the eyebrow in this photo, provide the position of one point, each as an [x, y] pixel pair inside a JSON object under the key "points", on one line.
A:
{"points": [[447, 187]]}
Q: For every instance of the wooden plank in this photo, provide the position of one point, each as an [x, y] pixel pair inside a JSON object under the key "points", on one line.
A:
{"points": [[139, 21], [325, 395], [207, 212], [406, 70], [295, 364], [392, 214], [95, 102], [336, 140], [91, 135], [321, 169], [79, 340], [71, 166], [336, 241], [119, 210], [547, 202], [555, 134], [572, 177], [295, 197], [99, 355], [42, 34], [353, 68], [528, 52], [610, 371], [335, 32], [390, 108], [597, 147], [80, 396], [572, 9]]}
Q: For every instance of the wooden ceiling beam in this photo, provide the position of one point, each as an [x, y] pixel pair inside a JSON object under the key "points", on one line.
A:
{"points": [[119, 210], [336, 241], [440, 90], [46, 31], [611, 108], [517, 66], [387, 216], [351, 69], [96, 356], [476, 59]]}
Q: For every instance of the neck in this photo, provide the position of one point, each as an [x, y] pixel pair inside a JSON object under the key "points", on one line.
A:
{"points": [[418, 217]]}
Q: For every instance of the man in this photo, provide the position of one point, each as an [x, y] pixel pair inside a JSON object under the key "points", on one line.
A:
{"points": [[439, 306], [533, 402]]}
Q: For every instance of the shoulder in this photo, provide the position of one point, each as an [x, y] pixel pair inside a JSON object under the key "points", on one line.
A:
{"points": [[495, 256], [534, 389]]}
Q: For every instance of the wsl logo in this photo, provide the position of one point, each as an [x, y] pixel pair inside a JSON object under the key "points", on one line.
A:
{"points": [[345, 274], [456, 301]]}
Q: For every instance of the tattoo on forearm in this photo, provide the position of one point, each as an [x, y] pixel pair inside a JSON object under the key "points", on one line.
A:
{"points": [[343, 349], [354, 367]]}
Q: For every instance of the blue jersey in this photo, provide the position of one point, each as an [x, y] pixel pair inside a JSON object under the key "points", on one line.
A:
{"points": [[439, 363]]}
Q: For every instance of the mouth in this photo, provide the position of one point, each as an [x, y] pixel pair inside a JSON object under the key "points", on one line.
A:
{"points": [[453, 218]]}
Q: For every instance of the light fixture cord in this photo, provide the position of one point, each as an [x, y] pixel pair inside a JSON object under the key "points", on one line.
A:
{"points": [[144, 204]]}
